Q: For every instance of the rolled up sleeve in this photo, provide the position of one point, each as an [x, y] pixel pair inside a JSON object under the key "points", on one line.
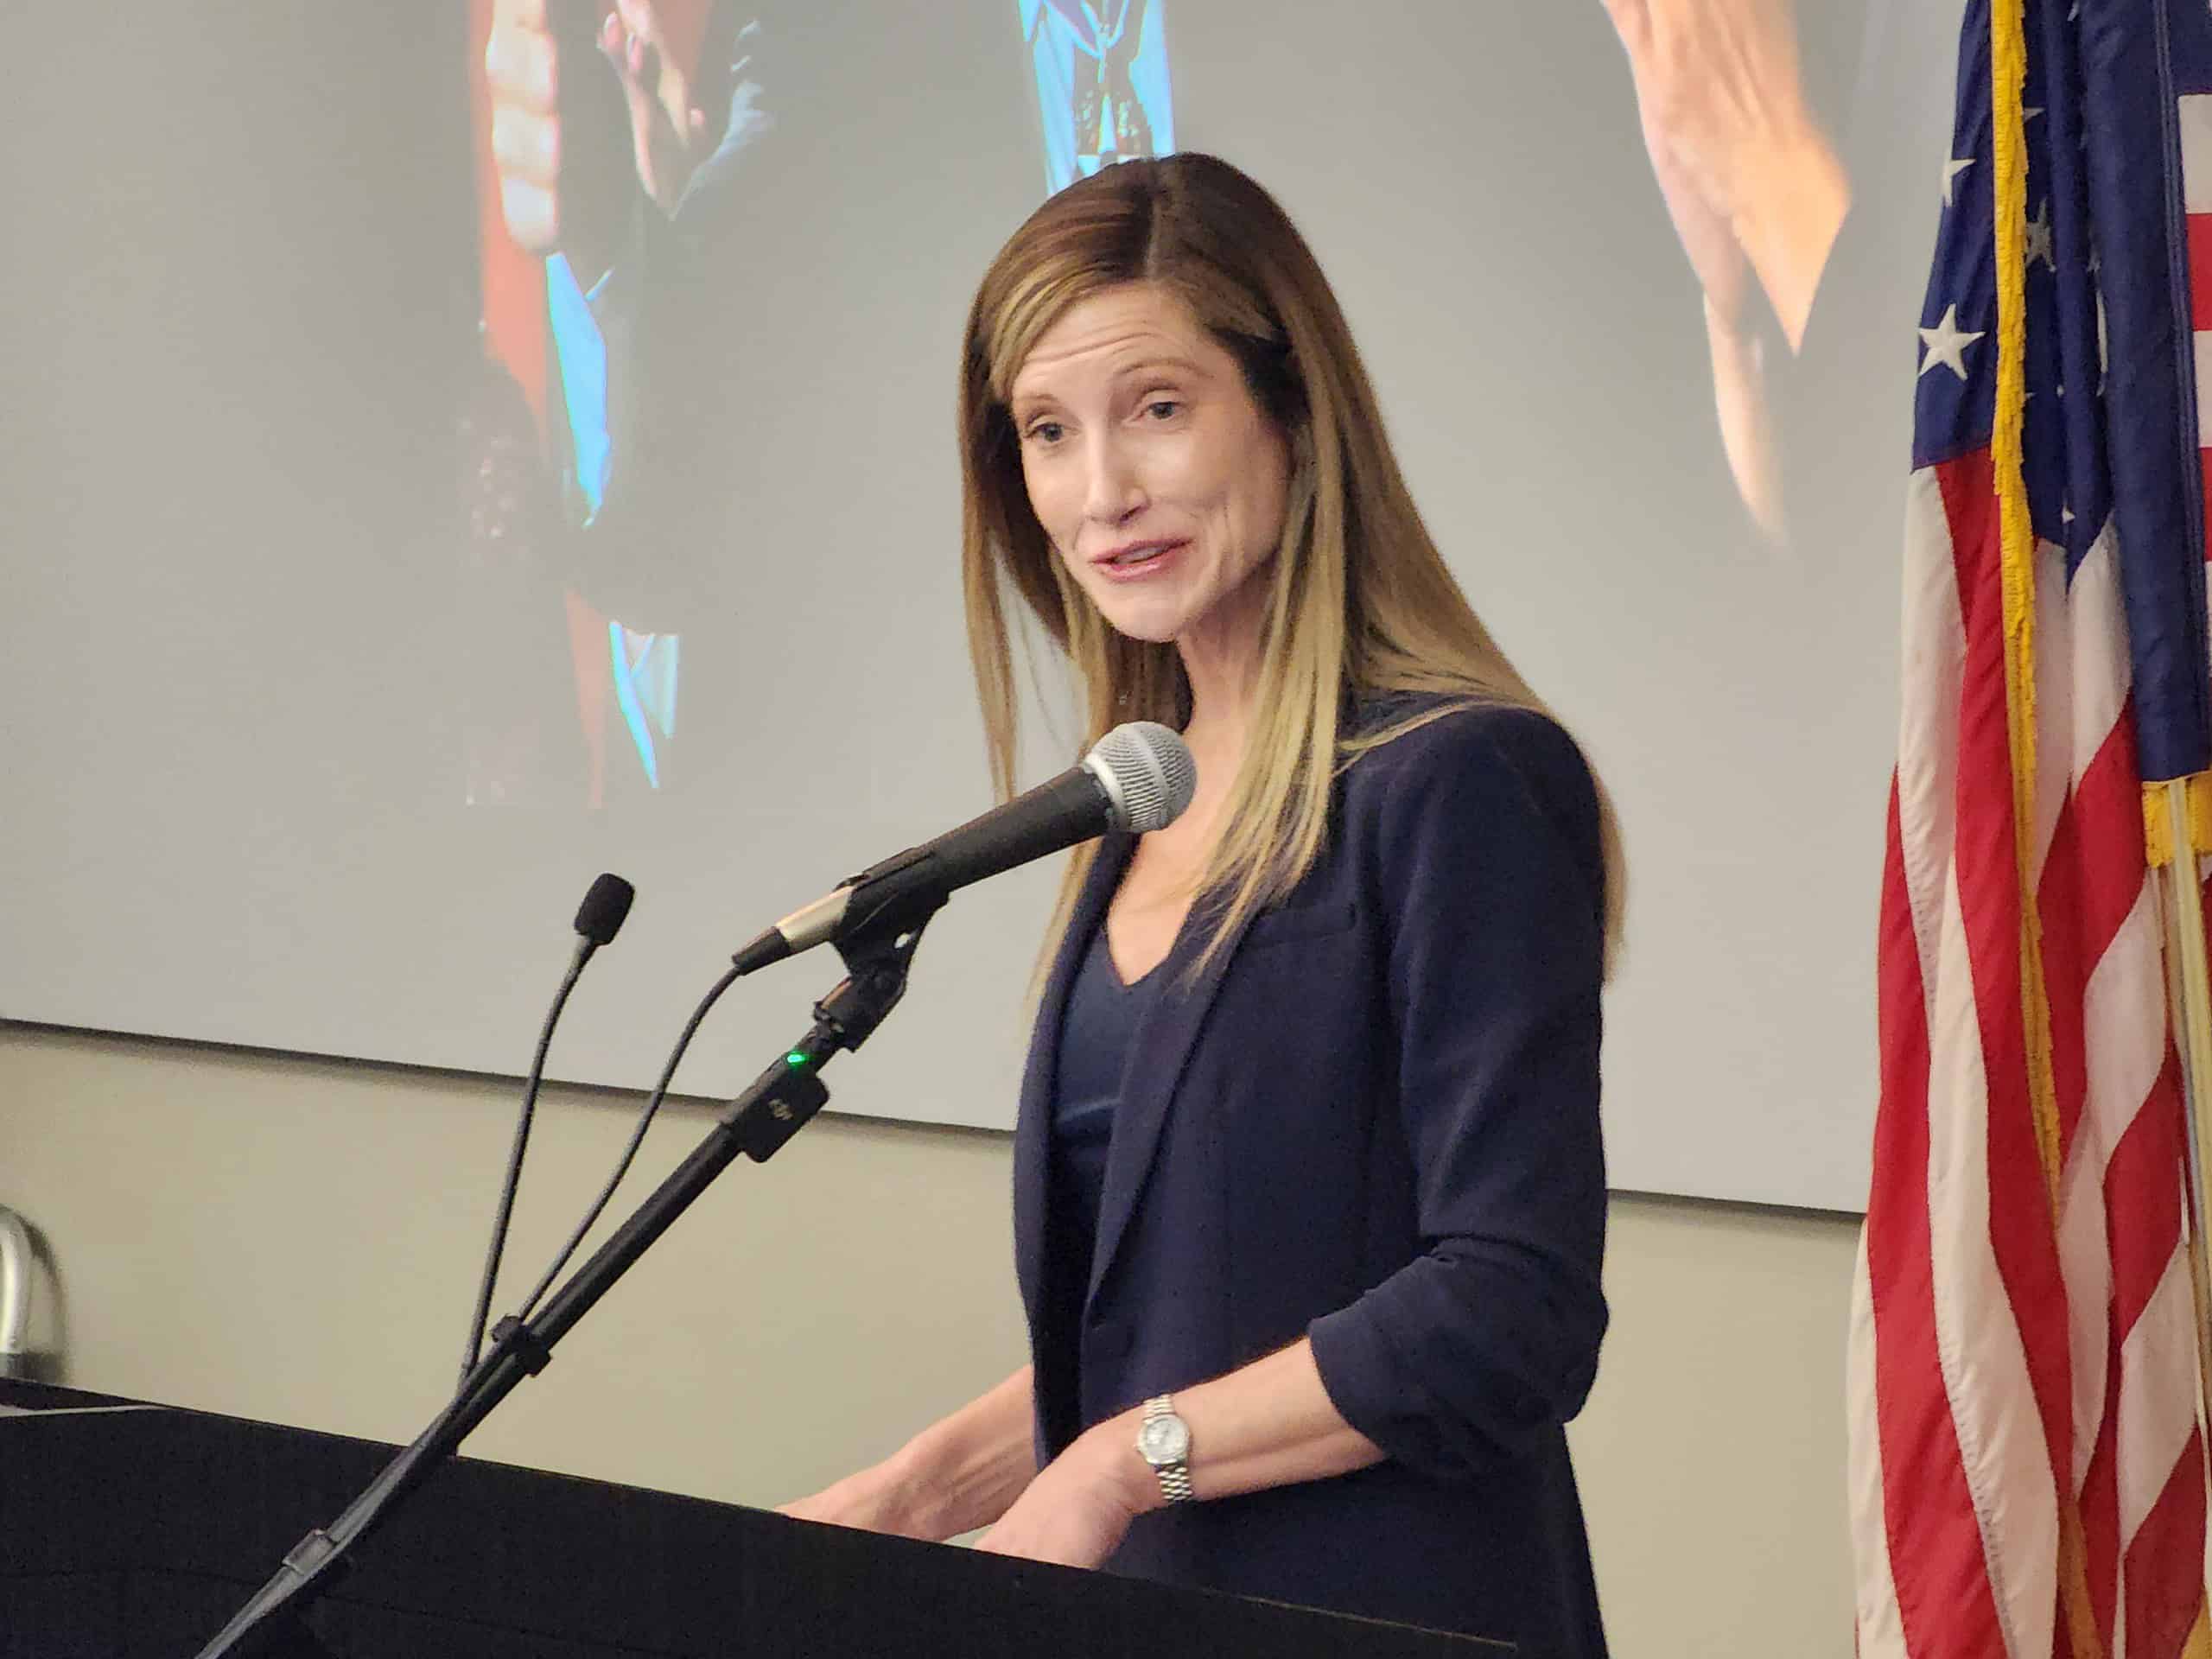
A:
{"points": [[1488, 852]]}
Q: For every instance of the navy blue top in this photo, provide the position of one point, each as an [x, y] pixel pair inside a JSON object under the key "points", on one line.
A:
{"points": [[1371, 1122], [1097, 1035]]}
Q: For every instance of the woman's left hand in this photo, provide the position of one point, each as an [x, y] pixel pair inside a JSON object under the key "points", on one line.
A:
{"points": [[1078, 1508]]}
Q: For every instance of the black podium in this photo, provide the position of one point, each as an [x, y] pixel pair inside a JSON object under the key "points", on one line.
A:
{"points": [[131, 1531]]}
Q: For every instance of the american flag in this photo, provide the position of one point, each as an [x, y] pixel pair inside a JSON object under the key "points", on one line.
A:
{"points": [[2027, 1477]]}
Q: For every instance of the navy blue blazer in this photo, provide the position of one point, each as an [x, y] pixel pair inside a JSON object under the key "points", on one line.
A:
{"points": [[1372, 1122]]}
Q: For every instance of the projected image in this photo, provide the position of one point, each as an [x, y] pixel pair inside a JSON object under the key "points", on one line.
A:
{"points": [[1756, 193], [612, 139], [649, 184], [557, 399], [1102, 83]]}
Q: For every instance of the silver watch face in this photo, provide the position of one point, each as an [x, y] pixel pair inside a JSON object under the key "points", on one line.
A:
{"points": [[1164, 1440]]}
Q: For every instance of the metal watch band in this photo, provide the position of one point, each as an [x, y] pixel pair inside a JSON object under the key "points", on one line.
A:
{"points": [[1174, 1478]]}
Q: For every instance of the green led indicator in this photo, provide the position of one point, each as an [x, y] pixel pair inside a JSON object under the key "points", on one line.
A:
{"points": [[794, 1058]]}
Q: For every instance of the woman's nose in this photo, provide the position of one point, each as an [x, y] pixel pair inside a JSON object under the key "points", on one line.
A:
{"points": [[1114, 491]]}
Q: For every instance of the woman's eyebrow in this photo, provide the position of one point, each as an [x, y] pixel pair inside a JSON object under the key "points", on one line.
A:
{"points": [[1158, 366], [1024, 404]]}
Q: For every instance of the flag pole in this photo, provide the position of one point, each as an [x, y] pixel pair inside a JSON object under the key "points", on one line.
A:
{"points": [[2188, 994]]}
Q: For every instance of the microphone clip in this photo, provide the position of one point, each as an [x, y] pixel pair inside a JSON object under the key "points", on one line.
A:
{"points": [[878, 954], [784, 1099]]}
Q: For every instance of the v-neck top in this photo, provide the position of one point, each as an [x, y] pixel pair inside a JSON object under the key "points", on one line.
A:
{"points": [[1098, 1029]]}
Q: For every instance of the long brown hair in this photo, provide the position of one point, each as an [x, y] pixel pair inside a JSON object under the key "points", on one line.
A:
{"points": [[1360, 602]]}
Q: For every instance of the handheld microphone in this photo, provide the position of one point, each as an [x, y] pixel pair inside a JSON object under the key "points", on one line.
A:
{"points": [[1138, 778]]}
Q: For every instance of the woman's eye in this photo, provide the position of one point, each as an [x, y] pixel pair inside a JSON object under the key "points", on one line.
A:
{"points": [[1046, 432], [1163, 409]]}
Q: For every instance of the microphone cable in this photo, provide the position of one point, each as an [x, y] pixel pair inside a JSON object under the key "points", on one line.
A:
{"points": [[597, 919], [637, 1139]]}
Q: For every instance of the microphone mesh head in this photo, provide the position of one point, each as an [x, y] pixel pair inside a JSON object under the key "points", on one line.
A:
{"points": [[1148, 772], [599, 918]]}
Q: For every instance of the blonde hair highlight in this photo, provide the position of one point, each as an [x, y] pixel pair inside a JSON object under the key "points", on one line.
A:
{"points": [[1361, 603]]}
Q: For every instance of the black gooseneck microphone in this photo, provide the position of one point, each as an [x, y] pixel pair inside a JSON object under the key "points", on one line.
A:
{"points": [[1138, 778], [599, 918], [604, 910]]}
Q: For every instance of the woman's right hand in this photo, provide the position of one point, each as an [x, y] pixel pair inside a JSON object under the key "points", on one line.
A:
{"points": [[960, 1473], [875, 1500]]}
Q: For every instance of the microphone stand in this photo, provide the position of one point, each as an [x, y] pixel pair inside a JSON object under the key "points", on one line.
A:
{"points": [[756, 1123]]}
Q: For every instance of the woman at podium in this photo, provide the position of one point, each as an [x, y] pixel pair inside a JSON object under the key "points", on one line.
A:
{"points": [[1309, 1191]]}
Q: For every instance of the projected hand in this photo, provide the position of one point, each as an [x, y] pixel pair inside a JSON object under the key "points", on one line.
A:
{"points": [[1735, 145], [1739, 376], [522, 73], [1714, 254], [653, 46]]}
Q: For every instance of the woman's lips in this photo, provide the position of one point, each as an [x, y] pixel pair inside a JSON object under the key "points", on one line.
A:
{"points": [[1138, 561]]}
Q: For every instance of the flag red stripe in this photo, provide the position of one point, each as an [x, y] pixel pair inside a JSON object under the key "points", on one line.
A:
{"points": [[2143, 1198], [2165, 1564], [2091, 878], [2101, 1506], [1944, 1600], [1989, 897], [2200, 259], [2108, 811]]}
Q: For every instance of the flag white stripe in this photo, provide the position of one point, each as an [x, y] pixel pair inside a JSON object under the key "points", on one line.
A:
{"points": [[2158, 1402], [2124, 1010], [1984, 1361], [2203, 357], [2088, 1272], [1928, 738], [1881, 1622], [2100, 650], [2195, 152]]}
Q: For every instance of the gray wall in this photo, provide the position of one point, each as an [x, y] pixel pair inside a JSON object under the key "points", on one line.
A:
{"points": [[298, 1240]]}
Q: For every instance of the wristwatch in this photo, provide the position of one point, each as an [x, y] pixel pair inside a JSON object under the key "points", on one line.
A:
{"points": [[1164, 1441]]}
